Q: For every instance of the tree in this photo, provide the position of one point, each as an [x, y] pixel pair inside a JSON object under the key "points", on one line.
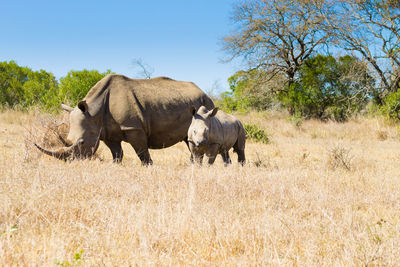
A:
{"points": [[40, 89], [370, 29], [12, 78], [76, 84], [329, 88], [145, 70], [246, 91], [23, 87], [277, 36]]}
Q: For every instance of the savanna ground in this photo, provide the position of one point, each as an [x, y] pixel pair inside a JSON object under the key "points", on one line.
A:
{"points": [[318, 194]]}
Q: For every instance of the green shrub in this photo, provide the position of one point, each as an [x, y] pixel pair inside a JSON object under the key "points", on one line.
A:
{"points": [[76, 84], [296, 120], [329, 88], [255, 133], [391, 108], [22, 87], [247, 92]]}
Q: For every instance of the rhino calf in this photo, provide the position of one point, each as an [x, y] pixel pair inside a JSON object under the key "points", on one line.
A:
{"points": [[214, 132]]}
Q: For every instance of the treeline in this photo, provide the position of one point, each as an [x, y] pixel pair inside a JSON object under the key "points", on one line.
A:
{"points": [[326, 88], [21, 87], [321, 59]]}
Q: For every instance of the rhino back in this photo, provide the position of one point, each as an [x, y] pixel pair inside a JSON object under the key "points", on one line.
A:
{"points": [[159, 106], [225, 130]]}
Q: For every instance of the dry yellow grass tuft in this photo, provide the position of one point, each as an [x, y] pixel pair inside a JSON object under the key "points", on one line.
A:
{"points": [[290, 205]]}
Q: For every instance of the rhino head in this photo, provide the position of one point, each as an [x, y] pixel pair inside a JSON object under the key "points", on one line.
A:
{"points": [[83, 136], [199, 129]]}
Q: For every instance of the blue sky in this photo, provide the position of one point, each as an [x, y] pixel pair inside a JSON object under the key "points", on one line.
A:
{"points": [[177, 38]]}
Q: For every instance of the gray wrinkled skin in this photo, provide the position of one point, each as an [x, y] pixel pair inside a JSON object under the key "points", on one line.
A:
{"points": [[214, 132], [147, 113]]}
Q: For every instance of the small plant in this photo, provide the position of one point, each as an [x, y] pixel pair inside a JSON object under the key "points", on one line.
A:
{"points": [[296, 120], [256, 134], [340, 157], [391, 108], [382, 135], [76, 261], [259, 162]]}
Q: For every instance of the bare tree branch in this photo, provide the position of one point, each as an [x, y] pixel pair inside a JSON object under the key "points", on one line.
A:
{"points": [[371, 28], [277, 36], [145, 70]]}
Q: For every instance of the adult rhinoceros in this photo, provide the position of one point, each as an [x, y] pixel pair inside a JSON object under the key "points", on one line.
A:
{"points": [[147, 113]]}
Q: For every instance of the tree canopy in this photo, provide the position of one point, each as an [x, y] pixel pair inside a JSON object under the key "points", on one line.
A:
{"points": [[281, 39], [21, 87]]}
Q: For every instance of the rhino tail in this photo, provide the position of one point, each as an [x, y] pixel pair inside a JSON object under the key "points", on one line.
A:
{"points": [[240, 144]]}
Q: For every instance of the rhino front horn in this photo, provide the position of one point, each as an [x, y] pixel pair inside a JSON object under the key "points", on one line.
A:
{"points": [[66, 107], [62, 153]]}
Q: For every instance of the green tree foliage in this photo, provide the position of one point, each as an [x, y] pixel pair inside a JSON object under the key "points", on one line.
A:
{"points": [[256, 134], [76, 84], [391, 108], [235, 99], [329, 88], [325, 87], [249, 91], [22, 87]]}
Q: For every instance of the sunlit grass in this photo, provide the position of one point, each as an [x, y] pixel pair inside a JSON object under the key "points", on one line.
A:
{"points": [[289, 205]]}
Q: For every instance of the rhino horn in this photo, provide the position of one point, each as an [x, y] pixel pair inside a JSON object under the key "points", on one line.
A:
{"points": [[65, 143], [66, 107], [62, 153]]}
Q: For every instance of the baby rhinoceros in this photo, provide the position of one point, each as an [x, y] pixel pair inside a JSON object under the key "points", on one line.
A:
{"points": [[214, 132]]}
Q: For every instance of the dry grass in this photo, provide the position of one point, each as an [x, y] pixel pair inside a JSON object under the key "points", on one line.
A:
{"points": [[288, 206]]}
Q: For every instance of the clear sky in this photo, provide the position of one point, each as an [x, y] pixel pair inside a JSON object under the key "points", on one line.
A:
{"points": [[177, 38]]}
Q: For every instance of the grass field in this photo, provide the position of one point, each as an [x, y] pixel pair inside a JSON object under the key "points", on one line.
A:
{"points": [[320, 194]]}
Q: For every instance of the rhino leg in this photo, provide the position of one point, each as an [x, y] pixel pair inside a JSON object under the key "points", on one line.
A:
{"points": [[196, 158], [138, 140], [116, 150], [212, 153], [239, 146], [191, 154], [226, 158], [240, 152], [241, 157]]}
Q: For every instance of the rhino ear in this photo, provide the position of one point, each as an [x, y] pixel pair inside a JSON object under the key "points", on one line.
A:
{"points": [[193, 110], [212, 112], [83, 106]]}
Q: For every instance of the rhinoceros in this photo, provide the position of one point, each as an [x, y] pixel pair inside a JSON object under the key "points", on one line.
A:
{"points": [[147, 113], [214, 132]]}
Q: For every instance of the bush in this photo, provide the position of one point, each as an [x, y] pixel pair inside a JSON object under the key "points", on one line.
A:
{"points": [[76, 84], [329, 88], [391, 108], [340, 157], [22, 87], [248, 91], [256, 134]]}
